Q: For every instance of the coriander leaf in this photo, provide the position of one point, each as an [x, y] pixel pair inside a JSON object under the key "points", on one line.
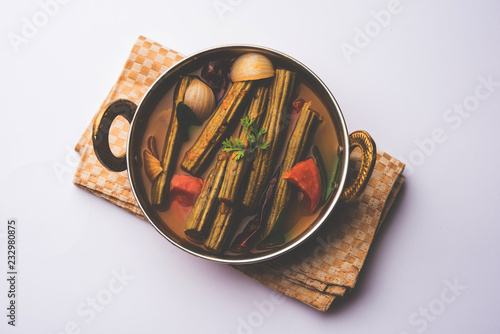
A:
{"points": [[264, 146], [254, 133], [246, 122], [239, 155]]}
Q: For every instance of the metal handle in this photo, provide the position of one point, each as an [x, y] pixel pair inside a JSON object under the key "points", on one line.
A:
{"points": [[368, 148], [100, 133]]}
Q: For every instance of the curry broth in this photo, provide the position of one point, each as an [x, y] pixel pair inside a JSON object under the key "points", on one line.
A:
{"points": [[298, 221]]}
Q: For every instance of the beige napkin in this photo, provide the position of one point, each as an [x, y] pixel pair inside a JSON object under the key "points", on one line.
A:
{"points": [[315, 273]]}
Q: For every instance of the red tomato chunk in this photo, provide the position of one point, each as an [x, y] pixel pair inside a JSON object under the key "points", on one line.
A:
{"points": [[305, 176]]}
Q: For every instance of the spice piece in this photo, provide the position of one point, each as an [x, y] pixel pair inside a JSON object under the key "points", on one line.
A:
{"points": [[249, 237], [216, 75]]}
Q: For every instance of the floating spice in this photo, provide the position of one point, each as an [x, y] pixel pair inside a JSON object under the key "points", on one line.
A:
{"points": [[250, 235], [297, 105], [152, 165], [276, 236], [216, 75]]}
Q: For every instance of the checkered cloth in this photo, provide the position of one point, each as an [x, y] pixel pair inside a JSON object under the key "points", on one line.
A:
{"points": [[317, 272]]}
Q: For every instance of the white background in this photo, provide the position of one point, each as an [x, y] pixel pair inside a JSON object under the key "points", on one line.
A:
{"points": [[429, 57]]}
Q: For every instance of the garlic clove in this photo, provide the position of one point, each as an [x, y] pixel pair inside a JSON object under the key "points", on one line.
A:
{"points": [[152, 165], [200, 98], [251, 66]]}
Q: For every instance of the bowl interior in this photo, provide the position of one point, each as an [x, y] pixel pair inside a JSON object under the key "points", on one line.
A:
{"points": [[168, 80]]}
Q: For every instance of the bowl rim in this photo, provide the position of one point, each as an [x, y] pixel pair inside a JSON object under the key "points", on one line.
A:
{"points": [[344, 156]]}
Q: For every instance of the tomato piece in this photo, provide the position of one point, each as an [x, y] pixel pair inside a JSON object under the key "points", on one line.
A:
{"points": [[305, 176], [185, 189], [297, 105]]}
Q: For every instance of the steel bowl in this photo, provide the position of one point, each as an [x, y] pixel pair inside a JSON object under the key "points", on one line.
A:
{"points": [[139, 115]]}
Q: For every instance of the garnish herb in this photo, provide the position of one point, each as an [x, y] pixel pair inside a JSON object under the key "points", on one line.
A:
{"points": [[254, 134]]}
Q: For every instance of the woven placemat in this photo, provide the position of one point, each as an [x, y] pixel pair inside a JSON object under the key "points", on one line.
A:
{"points": [[315, 273]]}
